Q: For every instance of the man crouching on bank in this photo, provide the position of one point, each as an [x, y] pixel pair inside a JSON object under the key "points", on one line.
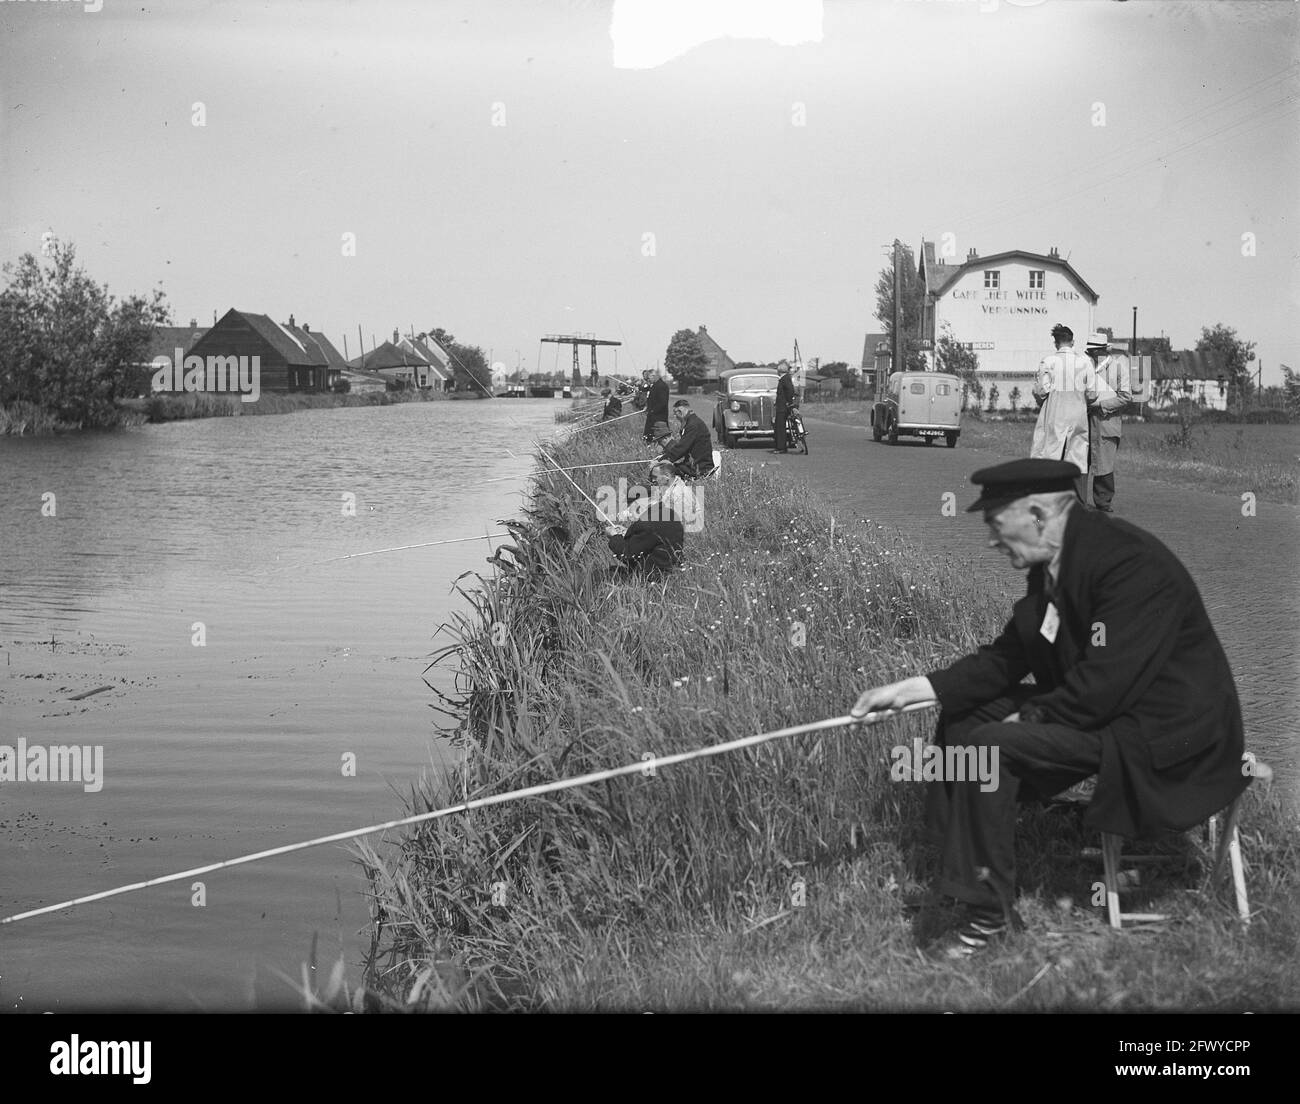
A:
{"points": [[1130, 684]]}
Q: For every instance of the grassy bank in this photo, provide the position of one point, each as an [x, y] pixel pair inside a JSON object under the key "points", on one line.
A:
{"points": [[1219, 457], [766, 879]]}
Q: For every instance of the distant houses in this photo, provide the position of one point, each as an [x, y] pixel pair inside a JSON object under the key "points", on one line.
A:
{"points": [[292, 358], [717, 356]]}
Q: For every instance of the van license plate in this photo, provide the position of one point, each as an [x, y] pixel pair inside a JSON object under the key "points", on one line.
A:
{"points": [[930, 432]]}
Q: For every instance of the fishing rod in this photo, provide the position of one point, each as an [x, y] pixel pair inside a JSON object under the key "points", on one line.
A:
{"points": [[378, 551], [609, 421], [484, 802], [556, 467], [575, 467]]}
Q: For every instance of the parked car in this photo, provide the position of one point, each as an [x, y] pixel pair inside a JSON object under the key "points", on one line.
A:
{"points": [[746, 404], [918, 404]]}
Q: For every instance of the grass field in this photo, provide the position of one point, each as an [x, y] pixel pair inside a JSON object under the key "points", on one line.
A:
{"points": [[1219, 457], [771, 878]]}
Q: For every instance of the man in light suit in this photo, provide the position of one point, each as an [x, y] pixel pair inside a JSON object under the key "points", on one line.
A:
{"points": [[1131, 684], [1065, 387], [1105, 424]]}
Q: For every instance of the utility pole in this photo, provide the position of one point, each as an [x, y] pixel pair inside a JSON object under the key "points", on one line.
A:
{"points": [[897, 366]]}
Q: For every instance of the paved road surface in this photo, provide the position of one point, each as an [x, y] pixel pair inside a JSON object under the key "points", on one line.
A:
{"points": [[1247, 568]]}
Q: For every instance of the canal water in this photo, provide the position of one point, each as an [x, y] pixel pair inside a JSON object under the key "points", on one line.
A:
{"points": [[194, 568]]}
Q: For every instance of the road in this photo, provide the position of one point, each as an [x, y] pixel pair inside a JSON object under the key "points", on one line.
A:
{"points": [[1246, 567]]}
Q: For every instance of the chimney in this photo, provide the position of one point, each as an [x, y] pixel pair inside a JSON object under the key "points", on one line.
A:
{"points": [[291, 321], [306, 328], [971, 254], [396, 336], [1053, 252], [194, 323]]}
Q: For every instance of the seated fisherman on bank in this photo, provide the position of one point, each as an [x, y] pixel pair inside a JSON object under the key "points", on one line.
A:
{"points": [[692, 453], [649, 534], [1131, 684]]}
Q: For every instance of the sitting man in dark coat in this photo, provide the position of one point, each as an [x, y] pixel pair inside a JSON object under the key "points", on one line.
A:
{"points": [[1130, 684], [692, 453], [613, 405]]}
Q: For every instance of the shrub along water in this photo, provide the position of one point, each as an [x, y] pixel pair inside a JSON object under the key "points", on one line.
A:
{"points": [[768, 877]]}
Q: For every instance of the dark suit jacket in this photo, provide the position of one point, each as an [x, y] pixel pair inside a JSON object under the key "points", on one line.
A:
{"points": [[656, 405], [1159, 689], [695, 442], [784, 392], [651, 545]]}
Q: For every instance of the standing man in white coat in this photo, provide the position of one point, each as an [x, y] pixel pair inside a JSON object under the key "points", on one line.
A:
{"points": [[1105, 426], [1066, 386]]}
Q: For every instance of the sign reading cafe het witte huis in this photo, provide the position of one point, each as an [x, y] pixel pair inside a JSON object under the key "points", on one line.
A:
{"points": [[1004, 306]]}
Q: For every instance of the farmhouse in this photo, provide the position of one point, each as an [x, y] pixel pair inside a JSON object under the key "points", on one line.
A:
{"points": [[164, 343], [394, 362], [289, 359], [1187, 374], [717, 356]]}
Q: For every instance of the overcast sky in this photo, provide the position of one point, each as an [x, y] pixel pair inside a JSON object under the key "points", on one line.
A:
{"points": [[974, 118]]}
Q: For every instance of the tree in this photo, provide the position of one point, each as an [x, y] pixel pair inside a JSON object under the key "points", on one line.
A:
{"points": [[951, 356], [913, 300], [993, 397], [66, 345], [1291, 392], [473, 372], [1235, 355], [441, 336], [1014, 399], [685, 359]]}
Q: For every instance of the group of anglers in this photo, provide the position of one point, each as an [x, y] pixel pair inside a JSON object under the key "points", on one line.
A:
{"points": [[650, 534], [1145, 713]]}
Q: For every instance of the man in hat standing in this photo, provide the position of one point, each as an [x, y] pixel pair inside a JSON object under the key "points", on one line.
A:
{"points": [[1105, 424], [656, 405], [1131, 684], [1065, 387], [784, 401]]}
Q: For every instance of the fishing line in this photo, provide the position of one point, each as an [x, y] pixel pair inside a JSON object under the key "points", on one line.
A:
{"points": [[483, 802], [574, 467]]}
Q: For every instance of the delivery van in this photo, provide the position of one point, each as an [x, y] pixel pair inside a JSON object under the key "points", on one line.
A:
{"points": [[918, 404]]}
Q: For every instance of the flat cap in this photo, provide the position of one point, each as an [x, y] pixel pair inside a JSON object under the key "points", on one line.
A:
{"points": [[1015, 479]]}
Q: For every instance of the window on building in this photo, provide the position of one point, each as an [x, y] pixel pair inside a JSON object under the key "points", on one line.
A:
{"points": [[1035, 279], [992, 279]]}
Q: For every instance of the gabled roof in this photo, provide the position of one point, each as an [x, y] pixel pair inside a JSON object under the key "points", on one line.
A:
{"points": [[869, 344], [388, 355], [1187, 364], [431, 352], [314, 339], [167, 339], [933, 273], [289, 348], [952, 272]]}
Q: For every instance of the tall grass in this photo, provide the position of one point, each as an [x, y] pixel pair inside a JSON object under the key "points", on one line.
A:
{"points": [[665, 890]]}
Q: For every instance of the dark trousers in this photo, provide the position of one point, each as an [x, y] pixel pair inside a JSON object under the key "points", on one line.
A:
{"points": [[975, 830], [1103, 490], [779, 422]]}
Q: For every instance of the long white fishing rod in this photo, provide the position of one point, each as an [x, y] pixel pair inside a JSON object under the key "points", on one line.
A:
{"points": [[483, 802], [610, 421], [573, 467], [404, 547], [556, 467]]}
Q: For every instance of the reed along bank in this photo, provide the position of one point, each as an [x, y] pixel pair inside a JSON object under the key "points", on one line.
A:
{"points": [[775, 877]]}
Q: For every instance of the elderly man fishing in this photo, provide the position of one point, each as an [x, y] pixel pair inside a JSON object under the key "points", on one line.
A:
{"points": [[649, 534], [1130, 684]]}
